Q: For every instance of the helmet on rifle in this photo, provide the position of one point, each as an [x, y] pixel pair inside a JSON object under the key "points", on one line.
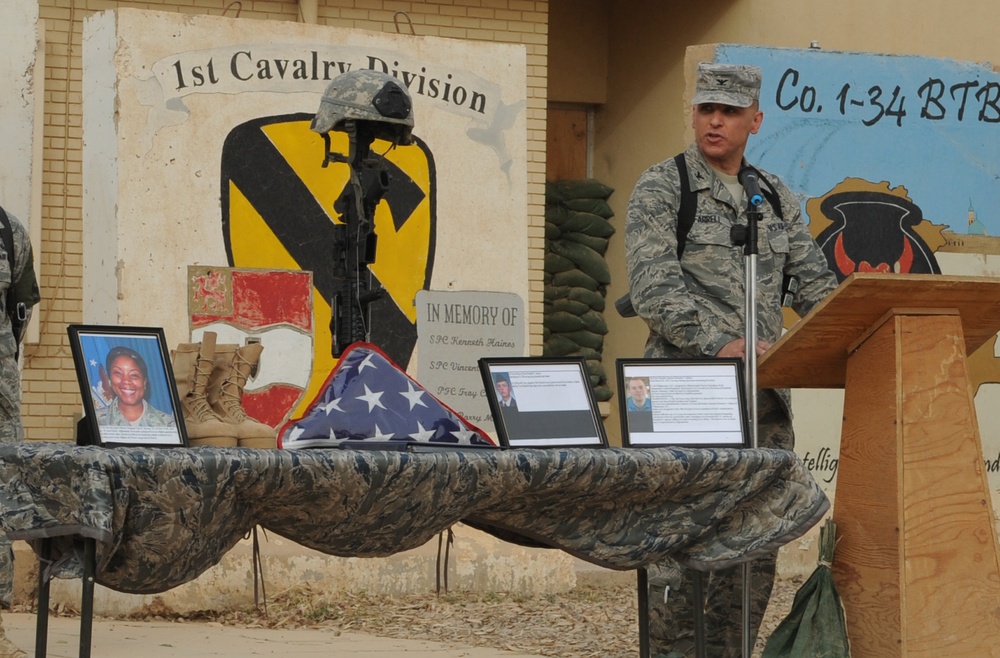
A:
{"points": [[365, 95]]}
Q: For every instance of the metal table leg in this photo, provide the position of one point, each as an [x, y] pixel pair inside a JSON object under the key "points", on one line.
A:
{"points": [[87, 604], [642, 584], [698, 580], [42, 622]]}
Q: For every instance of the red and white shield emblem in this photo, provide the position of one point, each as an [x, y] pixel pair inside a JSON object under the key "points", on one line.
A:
{"points": [[274, 307]]}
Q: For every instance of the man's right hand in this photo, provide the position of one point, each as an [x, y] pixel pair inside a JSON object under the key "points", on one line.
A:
{"points": [[738, 348]]}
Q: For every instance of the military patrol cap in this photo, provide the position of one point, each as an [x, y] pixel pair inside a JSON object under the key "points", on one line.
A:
{"points": [[727, 84]]}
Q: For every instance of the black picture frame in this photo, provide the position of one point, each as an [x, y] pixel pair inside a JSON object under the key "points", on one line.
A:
{"points": [[117, 363], [554, 404], [692, 403]]}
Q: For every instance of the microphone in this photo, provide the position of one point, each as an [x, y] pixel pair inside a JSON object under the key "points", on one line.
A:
{"points": [[751, 184]]}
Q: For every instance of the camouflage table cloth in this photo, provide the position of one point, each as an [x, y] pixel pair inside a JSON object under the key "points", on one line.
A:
{"points": [[162, 516]]}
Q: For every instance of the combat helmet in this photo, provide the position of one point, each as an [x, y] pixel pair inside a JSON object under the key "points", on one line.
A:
{"points": [[366, 95]]}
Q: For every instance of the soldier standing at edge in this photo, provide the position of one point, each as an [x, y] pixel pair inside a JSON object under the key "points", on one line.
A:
{"points": [[17, 280], [694, 307]]}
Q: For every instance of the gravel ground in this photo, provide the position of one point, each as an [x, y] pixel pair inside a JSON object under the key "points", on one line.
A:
{"points": [[588, 622]]}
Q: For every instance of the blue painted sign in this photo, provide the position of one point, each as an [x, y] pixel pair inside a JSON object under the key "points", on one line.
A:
{"points": [[928, 125]]}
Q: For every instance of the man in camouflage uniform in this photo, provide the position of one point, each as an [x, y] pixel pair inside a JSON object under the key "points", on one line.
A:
{"points": [[694, 306], [11, 430]]}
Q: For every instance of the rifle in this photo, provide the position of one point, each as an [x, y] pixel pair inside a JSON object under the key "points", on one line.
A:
{"points": [[354, 241]]}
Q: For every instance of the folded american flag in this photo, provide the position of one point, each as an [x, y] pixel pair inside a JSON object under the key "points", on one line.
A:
{"points": [[369, 398]]}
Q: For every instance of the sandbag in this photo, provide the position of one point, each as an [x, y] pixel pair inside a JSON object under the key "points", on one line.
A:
{"points": [[594, 321], [570, 306], [591, 298], [585, 258], [563, 322], [558, 215], [602, 393], [595, 206], [558, 345], [575, 279], [556, 292], [585, 222], [580, 188], [552, 231], [600, 245], [554, 263], [585, 338]]}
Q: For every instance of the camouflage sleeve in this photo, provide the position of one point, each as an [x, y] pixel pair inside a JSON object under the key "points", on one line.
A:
{"points": [[11, 429], [656, 282], [23, 255], [806, 261], [22, 245]]}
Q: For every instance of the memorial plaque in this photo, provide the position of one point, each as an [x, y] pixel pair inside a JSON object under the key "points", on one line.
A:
{"points": [[455, 330]]}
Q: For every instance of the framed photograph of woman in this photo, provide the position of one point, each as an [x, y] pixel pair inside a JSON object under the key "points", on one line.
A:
{"points": [[128, 388]]}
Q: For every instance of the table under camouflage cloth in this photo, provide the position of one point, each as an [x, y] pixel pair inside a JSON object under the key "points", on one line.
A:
{"points": [[163, 516]]}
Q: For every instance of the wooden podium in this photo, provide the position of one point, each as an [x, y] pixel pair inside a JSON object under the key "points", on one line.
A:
{"points": [[916, 563]]}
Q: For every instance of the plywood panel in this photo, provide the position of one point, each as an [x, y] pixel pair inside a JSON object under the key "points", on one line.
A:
{"points": [[951, 577], [867, 511], [566, 148], [917, 562], [813, 354]]}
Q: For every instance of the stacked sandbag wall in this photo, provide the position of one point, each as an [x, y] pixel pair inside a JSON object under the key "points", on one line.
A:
{"points": [[577, 230]]}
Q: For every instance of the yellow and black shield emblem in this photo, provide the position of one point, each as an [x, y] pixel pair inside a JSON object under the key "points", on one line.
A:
{"points": [[277, 213]]}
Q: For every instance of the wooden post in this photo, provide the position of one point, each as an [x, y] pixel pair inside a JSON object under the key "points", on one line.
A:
{"points": [[917, 562]]}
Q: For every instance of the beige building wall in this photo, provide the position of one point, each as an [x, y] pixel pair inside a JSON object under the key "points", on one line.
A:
{"points": [[51, 394]]}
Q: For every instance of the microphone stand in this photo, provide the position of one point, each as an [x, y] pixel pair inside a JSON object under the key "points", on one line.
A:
{"points": [[747, 236], [750, 252]]}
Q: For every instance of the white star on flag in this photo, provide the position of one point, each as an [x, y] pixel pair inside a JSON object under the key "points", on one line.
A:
{"points": [[371, 398], [379, 436], [422, 434], [331, 406], [367, 363], [413, 395]]}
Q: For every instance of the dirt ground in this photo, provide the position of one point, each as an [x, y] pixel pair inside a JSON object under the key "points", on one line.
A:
{"points": [[588, 622]]}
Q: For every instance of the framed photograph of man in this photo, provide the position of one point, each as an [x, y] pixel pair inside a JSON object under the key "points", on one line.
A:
{"points": [[542, 402], [128, 388], [695, 403]]}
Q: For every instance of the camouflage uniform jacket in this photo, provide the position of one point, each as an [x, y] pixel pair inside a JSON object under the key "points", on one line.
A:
{"points": [[151, 416], [10, 380], [695, 306]]}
